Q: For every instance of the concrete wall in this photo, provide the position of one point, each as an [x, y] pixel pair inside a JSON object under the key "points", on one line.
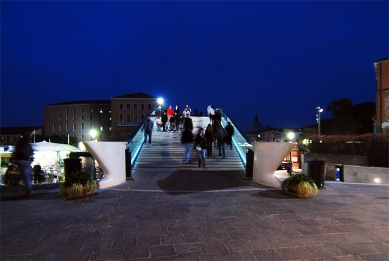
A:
{"points": [[361, 174], [356, 172]]}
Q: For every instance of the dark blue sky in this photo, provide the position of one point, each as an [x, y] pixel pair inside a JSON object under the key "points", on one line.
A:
{"points": [[277, 59]]}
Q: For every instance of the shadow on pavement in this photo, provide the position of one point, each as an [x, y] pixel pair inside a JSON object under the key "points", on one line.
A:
{"points": [[184, 181]]}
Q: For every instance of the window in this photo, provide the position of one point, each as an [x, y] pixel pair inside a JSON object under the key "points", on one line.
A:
{"points": [[110, 128], [53, 128], [100, 118], [53, 112], [128, 106], [136, 118], [101, 128], [128, 119], [53, 118], [82, 118], [74, 127], [74, 110], [82, 110], [59, 111], [90, 126], [82, 126], [91, 110], [74, 117], [142, 116], [60, 127], [66, 118], [67, 127], [121, 106], [59, 118], [67, 110], [142, 106], [101, 110], [149, 106], [121, 118], [90, 117], [82, 136], [135, 106]]}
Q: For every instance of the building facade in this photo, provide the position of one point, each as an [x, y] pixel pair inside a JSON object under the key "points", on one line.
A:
{"points": [[112, 120], [128, 110], [78, 118], [382, 103]]}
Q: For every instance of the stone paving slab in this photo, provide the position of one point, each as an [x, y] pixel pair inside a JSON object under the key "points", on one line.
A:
{"points": [[344, 222]]}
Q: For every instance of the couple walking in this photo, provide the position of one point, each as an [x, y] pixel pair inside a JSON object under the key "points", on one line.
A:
{"points": [[200, 141]]}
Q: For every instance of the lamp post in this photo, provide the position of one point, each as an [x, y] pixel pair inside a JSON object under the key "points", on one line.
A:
{"points": [[160, 102], [93, 133], [319, 110]]}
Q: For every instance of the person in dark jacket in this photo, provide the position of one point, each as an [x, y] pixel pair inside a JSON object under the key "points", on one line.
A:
{"points": [[221, 139], [230, 133], [187, 139], [201, 146], [164, 120], [188, 124], [210, 138], [148, 129], [23, 158]]}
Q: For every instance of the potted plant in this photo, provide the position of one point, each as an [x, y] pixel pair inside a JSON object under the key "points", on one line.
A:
{"points": [[299, 185], [78, 185]]}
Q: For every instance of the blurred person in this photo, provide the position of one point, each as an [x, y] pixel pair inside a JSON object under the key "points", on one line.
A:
{"points": [[201, 146], [148, 129], [23, 156], [187, 139], [210, 138], [230, 133]]}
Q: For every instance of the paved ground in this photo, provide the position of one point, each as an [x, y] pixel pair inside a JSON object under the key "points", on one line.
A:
{"points": [[193, 215]]}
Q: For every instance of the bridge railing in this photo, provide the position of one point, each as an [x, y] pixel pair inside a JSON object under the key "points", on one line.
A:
{"points": [[136, 138], [240, 139]]}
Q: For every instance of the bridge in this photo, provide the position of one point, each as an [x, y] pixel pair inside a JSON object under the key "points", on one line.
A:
{"points": [[162, 165]]}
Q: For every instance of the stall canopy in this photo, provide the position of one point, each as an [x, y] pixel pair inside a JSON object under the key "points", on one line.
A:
{"points": [[50, 146]]}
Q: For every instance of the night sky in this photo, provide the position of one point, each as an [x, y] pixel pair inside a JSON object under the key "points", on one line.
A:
{"points": [[278, 59]]}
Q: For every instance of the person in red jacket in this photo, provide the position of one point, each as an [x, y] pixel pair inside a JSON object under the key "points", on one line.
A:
{"points": [[170, 113]]}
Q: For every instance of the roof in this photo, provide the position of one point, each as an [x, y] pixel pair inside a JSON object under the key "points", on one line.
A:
{"points": [[105, 102], [18, 130], [136, 95]]}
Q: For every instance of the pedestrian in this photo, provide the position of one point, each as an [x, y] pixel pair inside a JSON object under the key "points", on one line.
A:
{"points": [[177, 119], [210, 138], [187, 139], [188, 123], [217, 116], [201, 146], [230, 133], [170, 113], [164, 120], [221, 139], [177, 110], [23, 156], [289, 168], [211, 112], [37, 171], [158, 121], [148, 129]]}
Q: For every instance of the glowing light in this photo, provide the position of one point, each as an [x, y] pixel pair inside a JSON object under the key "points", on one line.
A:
{"points": [[377, 180]]}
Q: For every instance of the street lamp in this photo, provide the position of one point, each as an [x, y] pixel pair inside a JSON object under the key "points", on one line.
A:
{"points": [[319, 110], [160, 102], [93, 134], [291, 136]]}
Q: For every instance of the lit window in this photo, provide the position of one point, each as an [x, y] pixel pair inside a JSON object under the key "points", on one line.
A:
{"points": [[101, 110]]}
